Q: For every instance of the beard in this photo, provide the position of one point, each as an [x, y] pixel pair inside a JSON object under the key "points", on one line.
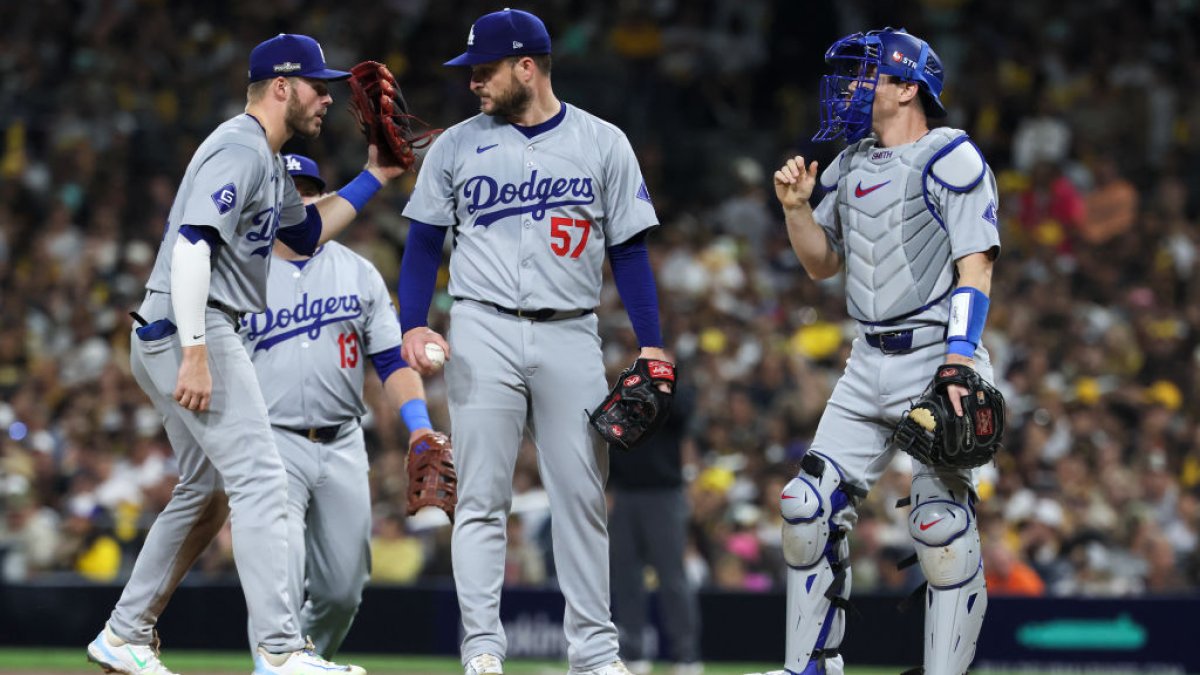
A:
{"points": [[298, 121], [513, 102]]}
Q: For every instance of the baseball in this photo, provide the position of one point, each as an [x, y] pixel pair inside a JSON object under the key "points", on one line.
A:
{"points": [[435, 353]]}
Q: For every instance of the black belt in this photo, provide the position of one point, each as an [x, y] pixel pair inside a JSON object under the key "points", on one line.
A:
{"points": [[227, 310], [318, 434], [891, 343], [545, 314]]}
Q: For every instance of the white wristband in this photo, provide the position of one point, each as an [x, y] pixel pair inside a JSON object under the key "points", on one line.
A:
{"points": [[190, 276]]}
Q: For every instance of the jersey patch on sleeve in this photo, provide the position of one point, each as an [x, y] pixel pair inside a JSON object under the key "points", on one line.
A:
{"points": [[989, 214], [225, 198], [644, 194]]}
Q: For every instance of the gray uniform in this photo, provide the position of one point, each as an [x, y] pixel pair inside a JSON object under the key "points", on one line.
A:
{"points": [[532, 219], [237, 186], [324, 316], [899, 218]]}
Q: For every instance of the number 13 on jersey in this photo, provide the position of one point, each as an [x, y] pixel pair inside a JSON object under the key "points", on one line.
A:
{"points": [[564, 231]]}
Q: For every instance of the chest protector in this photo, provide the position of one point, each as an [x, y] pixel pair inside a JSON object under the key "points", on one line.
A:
{"points": [[896, 250]]}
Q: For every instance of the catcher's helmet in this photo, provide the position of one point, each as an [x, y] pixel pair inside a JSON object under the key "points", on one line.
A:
{"points": [[857, 61]]}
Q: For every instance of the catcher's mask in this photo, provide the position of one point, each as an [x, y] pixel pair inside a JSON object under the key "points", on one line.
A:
{"points": [[857, 61]]}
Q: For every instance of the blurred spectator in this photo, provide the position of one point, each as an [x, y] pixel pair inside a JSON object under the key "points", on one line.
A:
{"points": [[1007, 574], [396, 558], [1111, 205]]}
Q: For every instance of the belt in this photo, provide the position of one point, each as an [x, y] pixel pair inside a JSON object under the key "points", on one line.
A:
{"points": [[227, 311], [544, 314], [318, 434], [896, 342]]}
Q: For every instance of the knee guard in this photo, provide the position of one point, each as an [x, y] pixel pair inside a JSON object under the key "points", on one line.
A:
{"points": [[818, 512], [944, 531]]}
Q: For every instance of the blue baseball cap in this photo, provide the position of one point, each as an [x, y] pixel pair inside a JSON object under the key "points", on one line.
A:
{"points": [[303, 167], [289, 55], [509, 32]]}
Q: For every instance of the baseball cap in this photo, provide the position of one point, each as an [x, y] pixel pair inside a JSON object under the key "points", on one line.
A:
{"points": [[290, 55], [509, 32], [299, 165]]}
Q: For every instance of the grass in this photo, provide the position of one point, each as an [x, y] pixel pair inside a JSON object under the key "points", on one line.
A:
{"points": [[54, 660]]}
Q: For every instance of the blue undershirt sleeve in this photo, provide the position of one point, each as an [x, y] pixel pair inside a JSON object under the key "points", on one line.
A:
{"points": [[304, 236], [630, 262], [195, 233], [418, 273], [387, 362]]}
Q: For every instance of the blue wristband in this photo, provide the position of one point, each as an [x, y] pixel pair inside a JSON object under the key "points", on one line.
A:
{"points": [[360, 190], [968, 315], [416, 415]]}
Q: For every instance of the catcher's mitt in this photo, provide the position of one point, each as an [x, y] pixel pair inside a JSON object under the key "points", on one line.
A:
{"points": [[933, 434], [383, 116], [432, 480], [636, 407]]}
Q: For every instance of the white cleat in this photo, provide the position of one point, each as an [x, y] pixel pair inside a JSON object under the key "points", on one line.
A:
{"points": [[615, 668], [484, 664], [641, 667], [304, 662], [115, 655]]}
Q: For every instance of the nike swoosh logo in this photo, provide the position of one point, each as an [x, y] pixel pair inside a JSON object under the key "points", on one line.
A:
{"points": [[787, 497], [480, 149], [860, 192], [197, 337], [926, 526], [140, 663]]}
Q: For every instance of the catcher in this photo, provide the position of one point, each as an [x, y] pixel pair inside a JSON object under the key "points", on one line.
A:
{"points": [[909, 216], [327, 314]]}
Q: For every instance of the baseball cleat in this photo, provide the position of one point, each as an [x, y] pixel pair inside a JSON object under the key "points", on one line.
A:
{"points": [[303, 662], [615, 668], [484, 664], [640, 667], [115, 655]]}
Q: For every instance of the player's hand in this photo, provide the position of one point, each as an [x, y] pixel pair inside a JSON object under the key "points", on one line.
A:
{"points": [[382, 173], [193, 386], [956, 392], [413, 349], [794, 183], [657, 354]]}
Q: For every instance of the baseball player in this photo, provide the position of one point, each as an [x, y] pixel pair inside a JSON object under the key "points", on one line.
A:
{"points": [[911, 219], [536, 191], [326, 314], [235, 199]]}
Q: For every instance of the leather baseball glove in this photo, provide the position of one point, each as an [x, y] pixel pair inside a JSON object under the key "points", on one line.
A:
{"points": [[382, 114], [934, 435], [635, 407], [432, 480]]}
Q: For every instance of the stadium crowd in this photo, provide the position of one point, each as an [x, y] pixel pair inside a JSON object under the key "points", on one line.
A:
{"points": [[1087, 113]]}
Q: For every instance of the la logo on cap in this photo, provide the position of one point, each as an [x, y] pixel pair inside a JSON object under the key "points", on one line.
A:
{"points": [[471, 37]]}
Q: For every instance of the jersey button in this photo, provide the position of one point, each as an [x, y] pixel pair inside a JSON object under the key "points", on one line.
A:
{"points": [[304, 345], [528, 224], [530, 148], [295, 275]]}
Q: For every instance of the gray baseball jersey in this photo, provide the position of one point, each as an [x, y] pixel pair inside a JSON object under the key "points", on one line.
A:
{"points": [[324, 316], [532, 217], [237, 186]]}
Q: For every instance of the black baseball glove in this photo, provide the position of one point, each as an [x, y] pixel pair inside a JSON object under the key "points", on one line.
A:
{"points": [[636, 407], [933, 434]]}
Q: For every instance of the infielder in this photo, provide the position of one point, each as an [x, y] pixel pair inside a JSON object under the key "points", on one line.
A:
{"points": [[235, 199], [911, 219], [326, 315], [535, 191]]}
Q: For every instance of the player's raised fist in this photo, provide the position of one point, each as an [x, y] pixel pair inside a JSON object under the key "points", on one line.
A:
{"points": [[794, 183]]}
